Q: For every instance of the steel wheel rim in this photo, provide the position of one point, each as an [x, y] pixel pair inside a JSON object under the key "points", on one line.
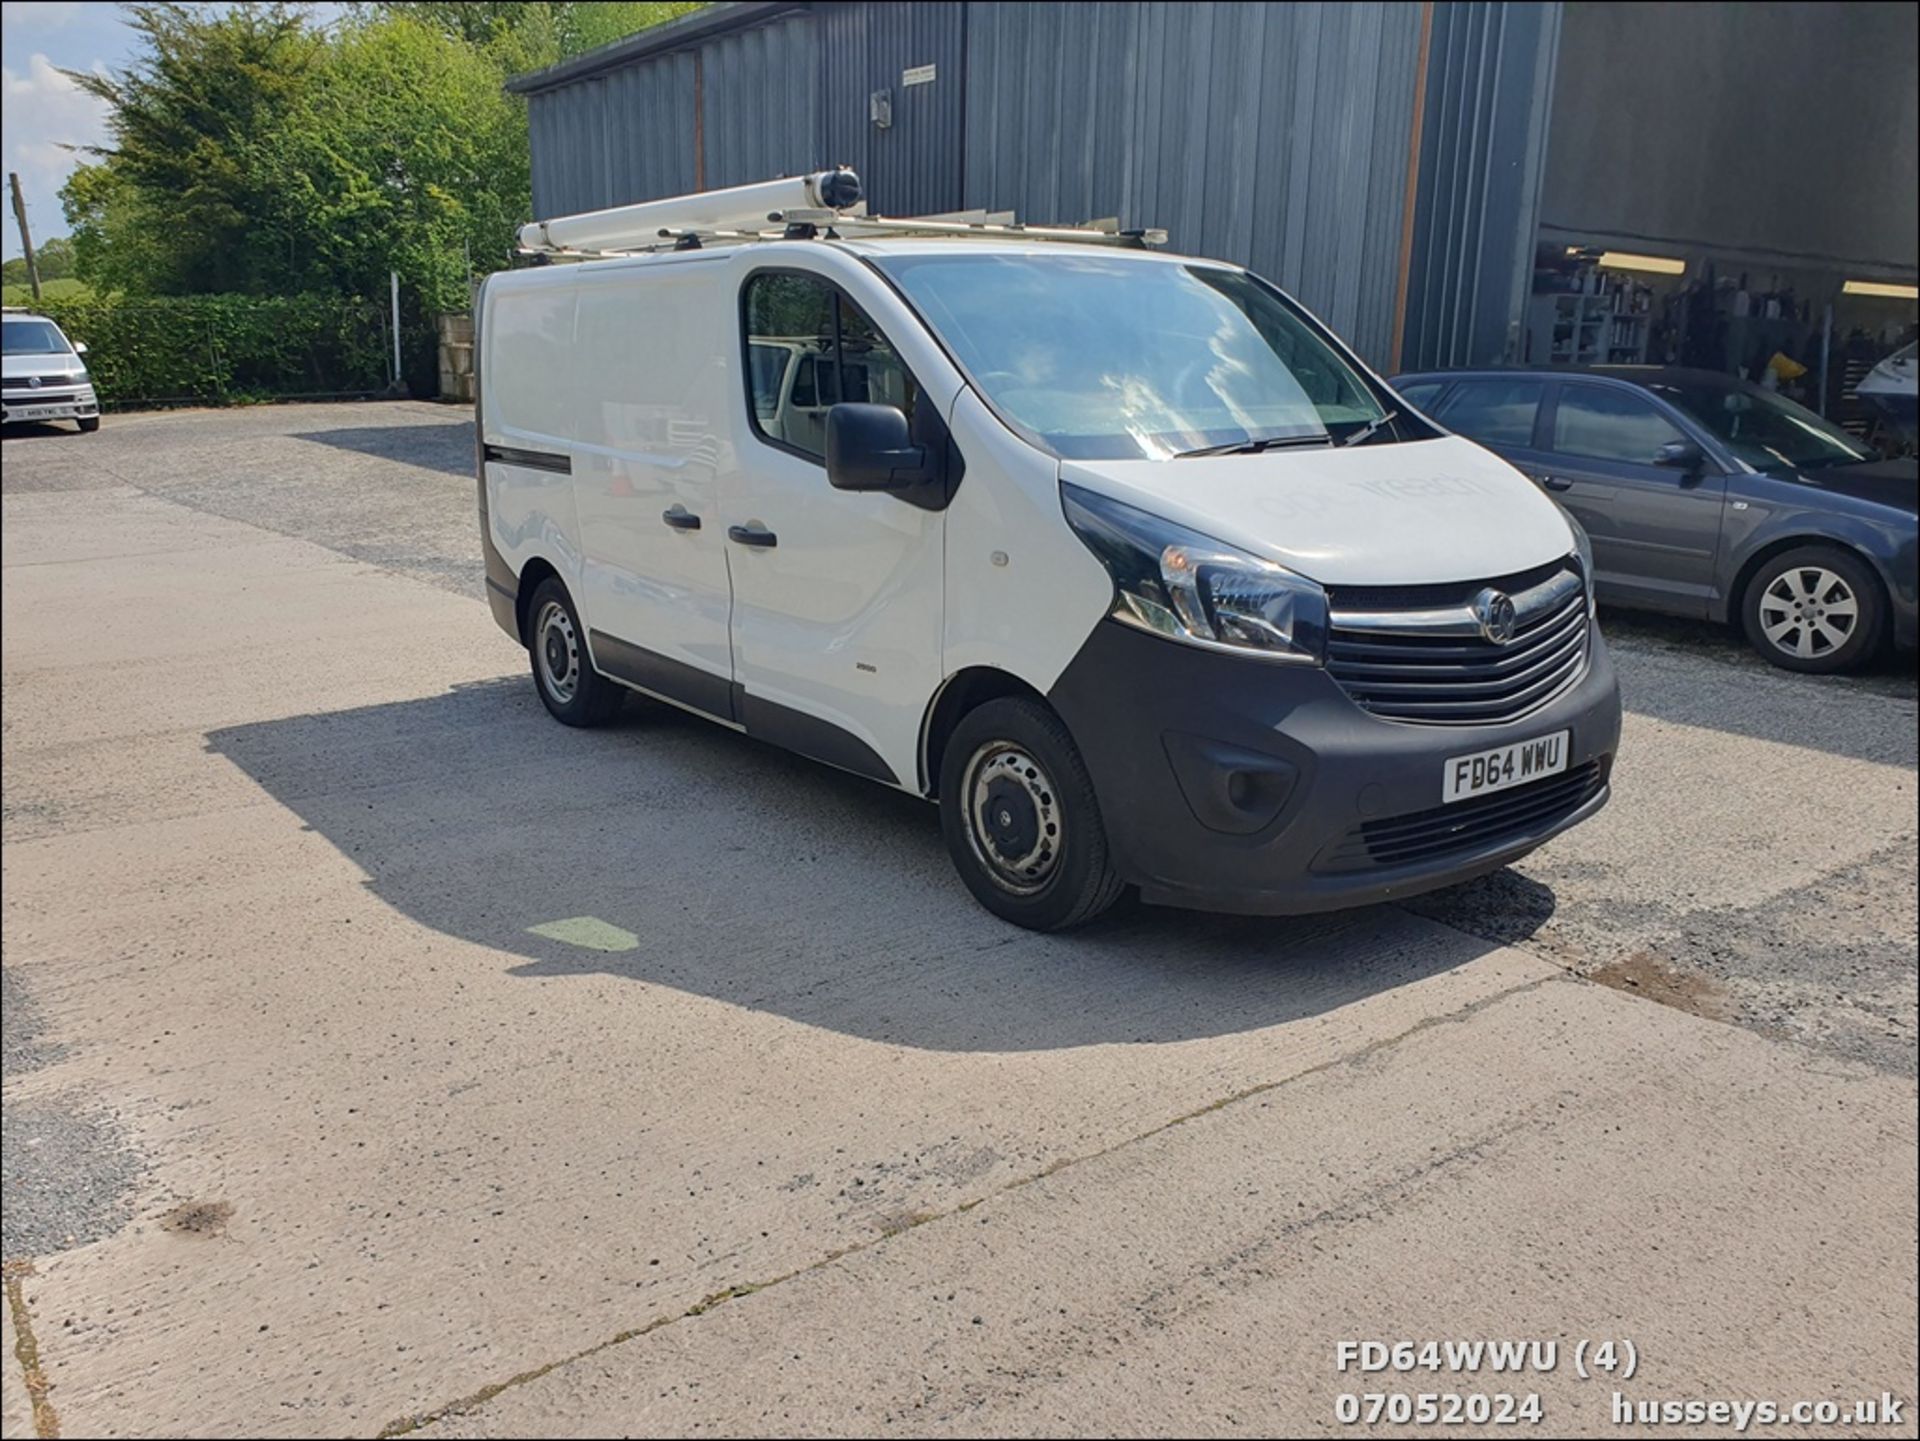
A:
{"points": [[1018, 847], [556, 649], [1809, 612]]}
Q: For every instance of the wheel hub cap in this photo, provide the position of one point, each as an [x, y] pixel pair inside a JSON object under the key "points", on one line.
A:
{"points": [[1013, 817], [558, 649]]}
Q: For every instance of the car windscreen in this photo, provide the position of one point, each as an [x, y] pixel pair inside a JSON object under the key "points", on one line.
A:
{"points": [[1765, 430], [33, 337], [1099, 357]]}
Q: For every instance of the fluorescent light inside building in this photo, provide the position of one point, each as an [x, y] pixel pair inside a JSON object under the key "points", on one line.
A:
{"points": [[1626, 260], [1881, 287]]}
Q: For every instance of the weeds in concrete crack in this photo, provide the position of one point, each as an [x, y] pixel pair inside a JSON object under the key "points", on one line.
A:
{"points": [[26, 1349]]}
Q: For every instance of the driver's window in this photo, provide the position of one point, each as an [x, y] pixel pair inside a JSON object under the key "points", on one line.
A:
{"points": [[810, 348]]}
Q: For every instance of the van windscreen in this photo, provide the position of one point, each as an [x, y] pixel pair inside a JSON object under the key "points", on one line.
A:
{"points": [[1107, 358]]}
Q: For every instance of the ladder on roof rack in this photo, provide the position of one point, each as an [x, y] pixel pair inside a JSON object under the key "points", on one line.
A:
{"points": [[798, 208]]}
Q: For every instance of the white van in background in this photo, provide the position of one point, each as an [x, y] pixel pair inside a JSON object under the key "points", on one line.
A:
{"points": [[1119, 555], [44, 377]]}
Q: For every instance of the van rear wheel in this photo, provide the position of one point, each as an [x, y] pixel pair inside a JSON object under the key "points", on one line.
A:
{"points": [[573, 691], [1020, 819]]}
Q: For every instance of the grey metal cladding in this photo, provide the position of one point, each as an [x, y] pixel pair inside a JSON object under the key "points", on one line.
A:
{"points": [[1277, 136], [913, 166], [760, 102], [614, 138], [1272, 135], [1489, 93]]}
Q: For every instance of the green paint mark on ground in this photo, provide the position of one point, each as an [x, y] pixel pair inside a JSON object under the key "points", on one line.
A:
{"points": [[590, 933]]}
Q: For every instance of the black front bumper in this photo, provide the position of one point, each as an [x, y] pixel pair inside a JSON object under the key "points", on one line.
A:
{"points": [[1244, 785]]}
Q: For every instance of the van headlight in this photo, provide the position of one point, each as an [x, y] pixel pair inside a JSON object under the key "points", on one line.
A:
{"points": [[1584, 549], [1187, 586]]}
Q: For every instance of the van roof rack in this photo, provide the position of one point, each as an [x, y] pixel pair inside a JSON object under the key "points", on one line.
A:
{"points": [[799, 208]]}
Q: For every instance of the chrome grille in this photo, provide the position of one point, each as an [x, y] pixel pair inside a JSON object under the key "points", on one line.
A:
{"points": [[1465, 825], [1419, 654]]}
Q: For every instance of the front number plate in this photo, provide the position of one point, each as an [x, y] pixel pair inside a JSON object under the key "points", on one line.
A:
{"points": [[40, 412], [1487, 771]]}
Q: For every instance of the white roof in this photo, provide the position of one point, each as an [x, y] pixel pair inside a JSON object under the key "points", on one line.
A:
{"points": [[967, 245]]}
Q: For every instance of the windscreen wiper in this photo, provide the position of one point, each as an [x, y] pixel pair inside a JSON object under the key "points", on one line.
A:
{"points": [[1255, 447], [1368, 431]]}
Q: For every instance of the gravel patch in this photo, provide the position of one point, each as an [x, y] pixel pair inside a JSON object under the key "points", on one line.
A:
{"points": [[69, 1176], [23, 1043]]}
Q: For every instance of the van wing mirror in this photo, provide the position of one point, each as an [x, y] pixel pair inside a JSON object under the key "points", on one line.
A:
{"points": [[870, 448], [79, 347]]}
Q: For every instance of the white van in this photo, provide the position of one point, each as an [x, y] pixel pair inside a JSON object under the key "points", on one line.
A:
{"points": [[45, 377], [1118, 555]]}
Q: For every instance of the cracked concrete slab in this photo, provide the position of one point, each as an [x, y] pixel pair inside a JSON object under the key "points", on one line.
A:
{"points": [[1560, 1162]]}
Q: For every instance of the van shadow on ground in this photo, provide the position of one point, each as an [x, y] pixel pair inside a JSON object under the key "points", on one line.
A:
{"points": [[754, 877], [447, 448]]}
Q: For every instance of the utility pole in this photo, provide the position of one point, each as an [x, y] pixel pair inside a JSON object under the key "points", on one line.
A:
{"points": [[26, 240]]}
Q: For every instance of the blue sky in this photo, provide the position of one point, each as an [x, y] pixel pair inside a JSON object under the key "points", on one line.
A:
{"points": [[44, 111], [43, 107]]}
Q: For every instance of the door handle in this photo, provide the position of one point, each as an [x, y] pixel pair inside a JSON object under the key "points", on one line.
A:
{"points": [[754, 535], [1556, 482], [680, 518]]}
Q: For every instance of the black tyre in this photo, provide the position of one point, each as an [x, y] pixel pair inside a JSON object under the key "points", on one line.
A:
{"points": [[574, 692], [1815, 608], [1020, 819], [88, 423]]}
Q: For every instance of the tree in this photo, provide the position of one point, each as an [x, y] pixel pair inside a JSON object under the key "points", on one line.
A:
{"points": [[192, 122], [404, 154], [256, 152], [53, 258], [534, 34]]}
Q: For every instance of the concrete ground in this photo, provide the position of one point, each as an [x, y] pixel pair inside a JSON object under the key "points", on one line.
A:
{"points": [[382, 1056]]}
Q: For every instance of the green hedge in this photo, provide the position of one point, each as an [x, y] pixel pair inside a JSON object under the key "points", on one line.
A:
{"points": [[226, 349]]}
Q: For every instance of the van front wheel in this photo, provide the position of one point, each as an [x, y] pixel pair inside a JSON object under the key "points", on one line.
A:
{"points": [[1018, 812], [573, 691]]}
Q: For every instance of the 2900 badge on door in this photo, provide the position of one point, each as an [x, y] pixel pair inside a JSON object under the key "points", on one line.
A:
{"points": [[1485, 772]]}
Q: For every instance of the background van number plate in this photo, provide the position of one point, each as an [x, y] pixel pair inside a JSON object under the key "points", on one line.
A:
{"points": [[1487, 771]]}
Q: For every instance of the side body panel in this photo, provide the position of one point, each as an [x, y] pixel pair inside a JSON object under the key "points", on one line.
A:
{"points": [[648, 388], [1023, 592], [1776, 511], [526, 418], [836, 626]]}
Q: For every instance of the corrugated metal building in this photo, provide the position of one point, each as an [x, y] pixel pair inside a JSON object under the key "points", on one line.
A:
{"points": [[1384, 162], [1280, 136]]}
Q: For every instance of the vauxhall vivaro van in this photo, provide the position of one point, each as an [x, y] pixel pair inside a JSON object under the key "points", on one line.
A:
{"points": [[1117, 554]]}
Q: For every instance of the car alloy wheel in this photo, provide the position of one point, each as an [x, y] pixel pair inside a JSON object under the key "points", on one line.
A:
{"points": [[1808, 612]]}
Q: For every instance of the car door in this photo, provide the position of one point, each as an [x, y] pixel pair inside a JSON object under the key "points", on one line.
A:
{"points": [[655, 592], [1500, 412], [837, 595], [1655, 528]]}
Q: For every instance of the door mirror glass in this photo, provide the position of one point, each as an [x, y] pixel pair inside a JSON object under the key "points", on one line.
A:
{"points": [[1681, 455], [869, 447]]}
